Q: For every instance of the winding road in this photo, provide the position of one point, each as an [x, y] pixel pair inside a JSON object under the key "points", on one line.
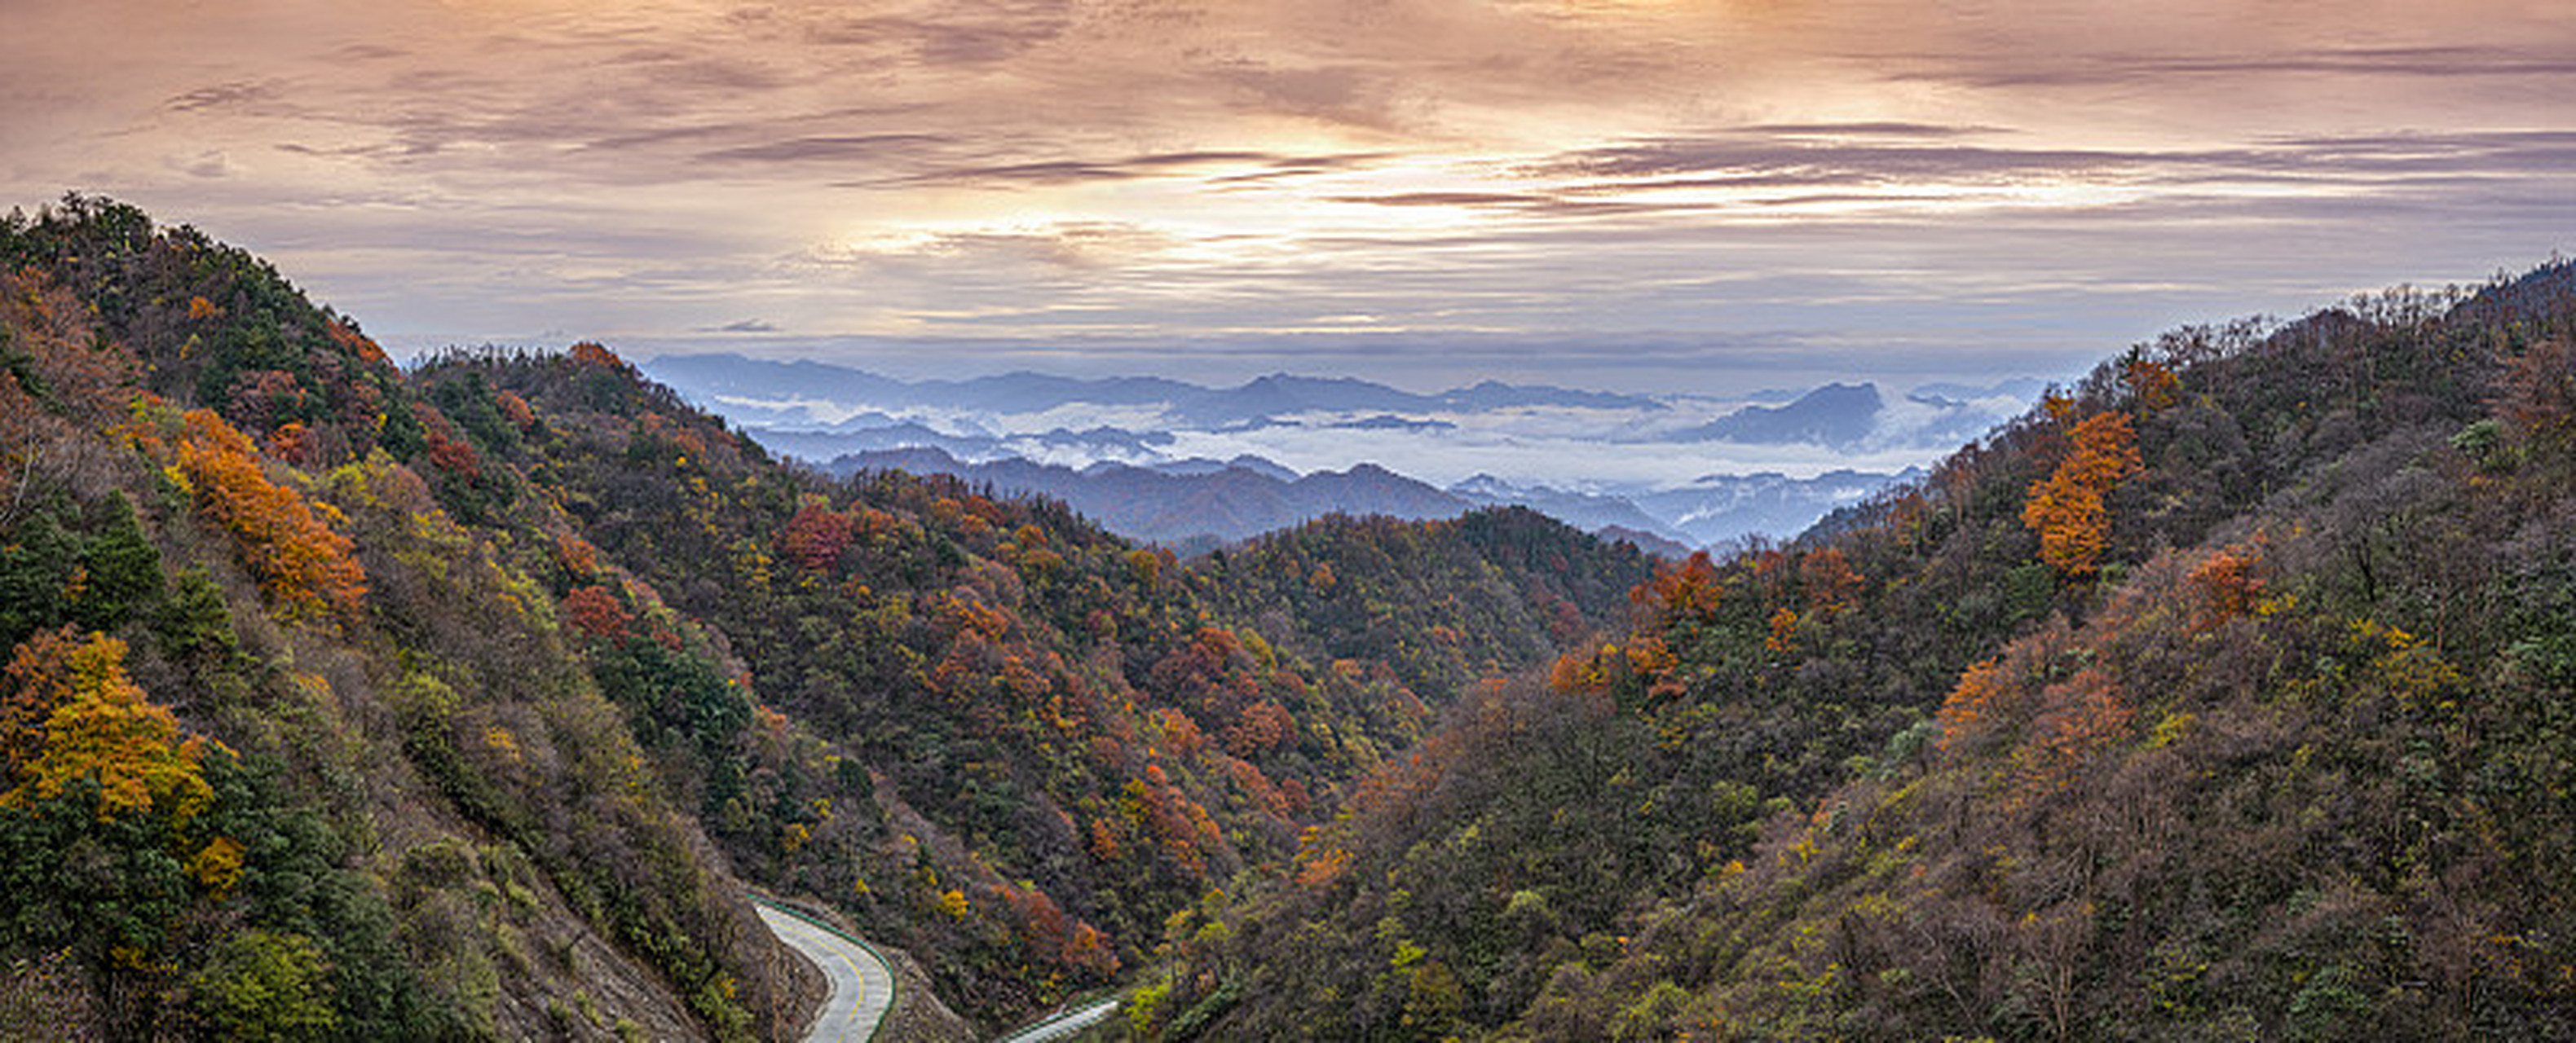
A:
{"points": [[862, 986], [1064, 1024]]}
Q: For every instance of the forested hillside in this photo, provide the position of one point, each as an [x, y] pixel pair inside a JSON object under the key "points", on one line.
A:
{"points": [[463, 702], [2229, 694], [292, 748], [1026, 741]]}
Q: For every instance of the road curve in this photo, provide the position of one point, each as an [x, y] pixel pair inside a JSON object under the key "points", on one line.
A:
{"points": [[1064, 1024], [862, 986]]}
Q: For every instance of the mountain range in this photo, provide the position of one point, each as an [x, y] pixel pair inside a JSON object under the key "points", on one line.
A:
{"points": [[1150, 457], [738, 381]]}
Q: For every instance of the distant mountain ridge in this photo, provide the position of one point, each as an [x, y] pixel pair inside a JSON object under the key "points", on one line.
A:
{"points": [[1833, 415], [1189, 503], [740, 377], [1236, 501], [1725, 462]]}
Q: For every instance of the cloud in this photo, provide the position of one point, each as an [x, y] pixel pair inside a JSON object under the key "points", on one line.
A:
{"points": [[982, 33], [835, 149], [2375, 63], [208, 164], [233, 94], [1241, 165], [979, 255], [1669, 191], [1876, 129]]}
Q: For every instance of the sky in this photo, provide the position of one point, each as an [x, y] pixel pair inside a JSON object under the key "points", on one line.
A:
{"points": [[1622, 194]]}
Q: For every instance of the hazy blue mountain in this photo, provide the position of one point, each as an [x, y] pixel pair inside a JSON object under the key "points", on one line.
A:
{"points": [[1833, 415], [739, 380], [1148, 456], [705, 376], [1280, 395], [1202, 465], [1232, 503], [1646, 541], [824, 445], [1588, 511]]}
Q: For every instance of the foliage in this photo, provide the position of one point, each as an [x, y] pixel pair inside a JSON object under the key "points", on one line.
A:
{"points": [[180, 424], [262, 986], [2296, 779], [306, 565], [2067, 508], [99, 733]]}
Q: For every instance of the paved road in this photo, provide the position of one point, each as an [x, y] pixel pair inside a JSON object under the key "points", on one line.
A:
{"points": [[1064, 1024], [862, 987]]}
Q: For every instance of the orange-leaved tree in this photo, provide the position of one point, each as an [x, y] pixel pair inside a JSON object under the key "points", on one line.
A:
{"points": [[301, 562], [2066, 508]]}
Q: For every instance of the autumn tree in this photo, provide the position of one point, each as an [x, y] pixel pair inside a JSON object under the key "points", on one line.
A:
{"points": [[97, 729], [593, 353], [304, 565], [2067, 508], [266, 398], [596, 613], [816, 537], [102, 837], [1828, 580], [2539, 400], [2226, 585], [2152, 383], [1984, 691]]}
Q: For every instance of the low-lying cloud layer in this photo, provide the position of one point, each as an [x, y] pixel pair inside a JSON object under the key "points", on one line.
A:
{"points": [[1633, 194]]}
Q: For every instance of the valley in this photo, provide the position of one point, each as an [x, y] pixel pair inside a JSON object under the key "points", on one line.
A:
{"points": [[1180, 521], [2223, 690]]}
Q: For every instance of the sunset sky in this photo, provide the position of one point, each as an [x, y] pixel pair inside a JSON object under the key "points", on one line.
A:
{"points": [[1631, 195]]}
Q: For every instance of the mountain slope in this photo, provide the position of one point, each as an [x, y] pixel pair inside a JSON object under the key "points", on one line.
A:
{"points": [[1012, 742], [461, 696], [294, 748], [1833, 415], [2225, 696]]}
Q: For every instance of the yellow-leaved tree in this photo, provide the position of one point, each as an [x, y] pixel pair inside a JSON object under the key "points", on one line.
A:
{"points": [[98, 727]]}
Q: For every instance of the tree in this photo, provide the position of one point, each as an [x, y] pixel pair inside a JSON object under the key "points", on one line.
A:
{"points": [[304, 565], [815, 537], [2067, 508], [596, 613], [103, 822], [195, 624], [99, 729], [2539, 399], [263, 986]]}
